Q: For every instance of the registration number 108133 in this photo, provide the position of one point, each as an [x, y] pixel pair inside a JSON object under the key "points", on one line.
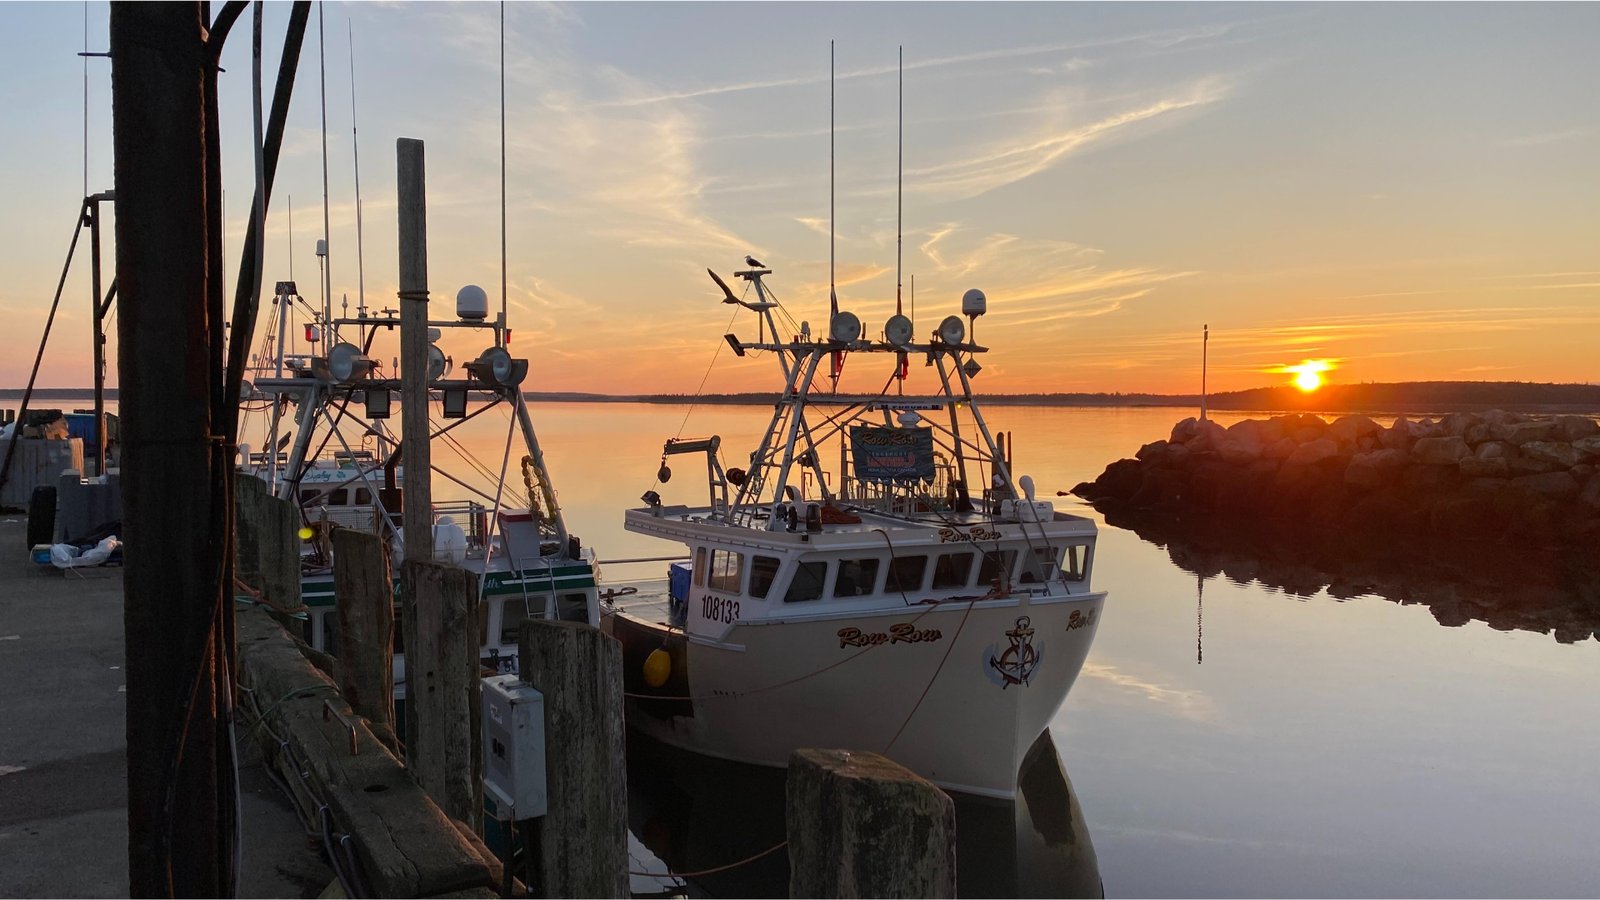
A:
{"points": [[719, 609]]}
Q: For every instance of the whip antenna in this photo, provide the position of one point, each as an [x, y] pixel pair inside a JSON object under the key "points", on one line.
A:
{"points": [[355, 152], [900, 178], [502, 164], [327, 261], [833, 237]]}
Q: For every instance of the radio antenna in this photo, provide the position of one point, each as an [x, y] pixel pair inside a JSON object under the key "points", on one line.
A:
{"points": [[833, 236], [900, 177], [327, 261], [502, 168], [355, 153]]}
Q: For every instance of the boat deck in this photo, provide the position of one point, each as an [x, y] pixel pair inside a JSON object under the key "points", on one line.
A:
{"points": [[645, 599], [872, 521]]}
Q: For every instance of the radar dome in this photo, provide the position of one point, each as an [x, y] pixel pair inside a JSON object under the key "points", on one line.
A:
{"points": [[472, 303]]}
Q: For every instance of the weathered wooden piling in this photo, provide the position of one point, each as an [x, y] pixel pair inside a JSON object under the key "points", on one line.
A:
{"points": [[366, 627], [862, 825], [267, 551], [583, 841], [442, 686]]}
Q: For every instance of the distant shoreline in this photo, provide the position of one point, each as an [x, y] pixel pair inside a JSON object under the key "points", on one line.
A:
{"points": [[1417, 397]]}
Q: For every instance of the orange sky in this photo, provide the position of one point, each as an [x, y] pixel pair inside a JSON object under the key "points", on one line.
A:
{"points": [[1409, 192]]}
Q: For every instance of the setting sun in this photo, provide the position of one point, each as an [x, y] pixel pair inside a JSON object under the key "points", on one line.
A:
{"points": [[1308, 374]]}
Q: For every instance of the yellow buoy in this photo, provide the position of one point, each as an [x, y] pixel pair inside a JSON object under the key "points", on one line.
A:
{"points": [[305, 534], [657, 666]]}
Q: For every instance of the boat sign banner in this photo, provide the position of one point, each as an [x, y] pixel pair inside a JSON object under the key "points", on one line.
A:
{"points": [[892, 454]]}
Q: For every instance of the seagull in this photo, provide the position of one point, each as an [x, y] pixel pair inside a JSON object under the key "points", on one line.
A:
{"points": [[754, 263]]}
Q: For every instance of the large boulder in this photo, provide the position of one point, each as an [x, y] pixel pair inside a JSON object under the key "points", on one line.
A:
{"points": [[1562, 454], [1439, 451], [1152, 452], [1589, 445], [1348, 430], [1313, 451], [1527, 465], [1458, 424], [1396, 436], [1493, 467], [1494, 450], [1121, 479], [1208, 435], [1572, 428], [1555, 485], [1240, 449], [1590, 495], [1469, 518], [1374, 469], [1283, 449], [1183, 431], [1520, 433], [1428, 428]]}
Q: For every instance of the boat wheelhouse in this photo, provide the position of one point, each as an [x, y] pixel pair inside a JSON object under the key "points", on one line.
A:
{"points": [[883, 605], [342, 467]]}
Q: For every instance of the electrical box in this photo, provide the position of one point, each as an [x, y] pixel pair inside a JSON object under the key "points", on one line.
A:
{"points": [[513, 747]]}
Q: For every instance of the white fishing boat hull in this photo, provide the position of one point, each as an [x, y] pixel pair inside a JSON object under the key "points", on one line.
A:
{"points": [[956, 692]]}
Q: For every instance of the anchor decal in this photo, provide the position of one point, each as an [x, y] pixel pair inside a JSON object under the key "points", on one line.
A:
{"points": [[1017, 664]]}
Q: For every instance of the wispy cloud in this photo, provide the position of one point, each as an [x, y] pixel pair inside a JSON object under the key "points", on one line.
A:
{"points": [[1160, 38], [1016, 158], [1547, 137]]}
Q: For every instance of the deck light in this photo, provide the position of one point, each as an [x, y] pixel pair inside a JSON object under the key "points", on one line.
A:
{"points": [[455, 403], [377, 403]]}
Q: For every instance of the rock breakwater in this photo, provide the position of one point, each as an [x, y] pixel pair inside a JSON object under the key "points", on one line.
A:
{"points": [[1496, 476]]}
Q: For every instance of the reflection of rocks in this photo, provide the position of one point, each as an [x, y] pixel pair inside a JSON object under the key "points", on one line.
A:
{"points": [[1493, 517], [1551, 592]]}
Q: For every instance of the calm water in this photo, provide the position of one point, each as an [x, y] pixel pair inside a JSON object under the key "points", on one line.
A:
{"points": [[1322, 747]]}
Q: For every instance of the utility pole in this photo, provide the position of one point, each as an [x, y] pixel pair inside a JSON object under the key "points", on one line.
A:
{"points": [[178, 839], [417, 505]]}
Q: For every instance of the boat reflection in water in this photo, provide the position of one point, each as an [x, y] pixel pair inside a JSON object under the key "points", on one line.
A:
{"points": [[697, 813]]}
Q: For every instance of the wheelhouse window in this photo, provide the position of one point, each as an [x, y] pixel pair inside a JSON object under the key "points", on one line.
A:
{"points": [[1039, 565], [856, 577], [341, 497], [807, 581], [363, 497], [727, 570], [996, 562], [513, 613], [700, 566], [763, 569], [1075, 563], [952, 570], [905, 574]]}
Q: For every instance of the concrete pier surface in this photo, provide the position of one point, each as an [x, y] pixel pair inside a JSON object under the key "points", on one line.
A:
{"points": [[63, 770]]}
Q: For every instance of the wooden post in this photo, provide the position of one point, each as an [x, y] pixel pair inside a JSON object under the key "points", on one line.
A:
{"points": [[366, 627], [417, 507], [180, 828], [583, 840], [267, 548], [442, 686], [862, 825]]}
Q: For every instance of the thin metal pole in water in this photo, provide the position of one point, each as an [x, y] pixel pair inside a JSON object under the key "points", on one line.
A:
{"points": [[1205, 353]]}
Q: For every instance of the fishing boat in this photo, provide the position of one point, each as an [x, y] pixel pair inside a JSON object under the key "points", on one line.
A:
{"points": [[915, 600], [331, 454]]}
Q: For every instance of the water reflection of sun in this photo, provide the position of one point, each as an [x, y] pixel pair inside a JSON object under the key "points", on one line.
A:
{"points": [[1308, 374]]}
